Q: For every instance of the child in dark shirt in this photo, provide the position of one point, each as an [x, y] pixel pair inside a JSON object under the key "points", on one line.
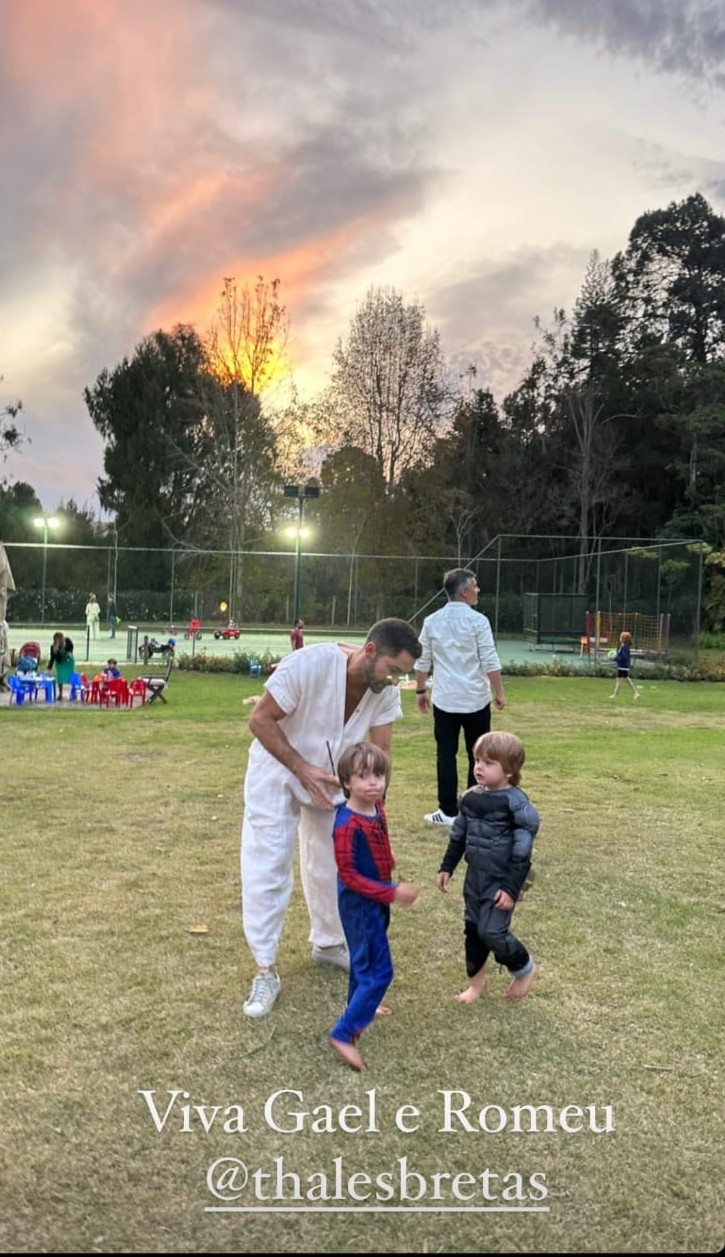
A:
{"points": [[495, 830], [365, 891], [623, 660]]}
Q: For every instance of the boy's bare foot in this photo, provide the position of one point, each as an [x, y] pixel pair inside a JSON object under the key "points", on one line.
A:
{"points": [[349, 1054], [521, 986], [382, 1010], [471, 993], [469, 996]]}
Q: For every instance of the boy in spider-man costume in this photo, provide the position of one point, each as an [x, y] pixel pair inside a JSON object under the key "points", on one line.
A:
{"points": [[365, 891]]}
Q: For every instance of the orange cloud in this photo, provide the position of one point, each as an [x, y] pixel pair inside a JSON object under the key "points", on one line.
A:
{"points": [[303, 272]]}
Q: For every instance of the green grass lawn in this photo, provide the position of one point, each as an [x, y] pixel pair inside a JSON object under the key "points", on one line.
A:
{"points": [[120, 835]]}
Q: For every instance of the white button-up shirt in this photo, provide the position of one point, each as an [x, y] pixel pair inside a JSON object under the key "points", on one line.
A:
{"points": [[458, 647]]}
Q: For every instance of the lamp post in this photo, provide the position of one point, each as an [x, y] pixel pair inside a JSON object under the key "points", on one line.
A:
{"points": [[302, 493], [45, 522]]}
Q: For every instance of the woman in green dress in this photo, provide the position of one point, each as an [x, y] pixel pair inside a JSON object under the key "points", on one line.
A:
{"points": [[61, 658]]}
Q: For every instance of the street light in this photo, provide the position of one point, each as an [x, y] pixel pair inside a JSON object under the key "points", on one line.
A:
{"points": [[302, 493], [45, 522]]}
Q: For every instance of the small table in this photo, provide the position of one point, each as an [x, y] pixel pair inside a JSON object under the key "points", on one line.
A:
{"points": [[28, 686], [46, 682]]}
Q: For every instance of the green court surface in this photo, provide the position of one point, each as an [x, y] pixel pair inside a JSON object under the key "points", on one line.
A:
{"points": [[253, 642]]}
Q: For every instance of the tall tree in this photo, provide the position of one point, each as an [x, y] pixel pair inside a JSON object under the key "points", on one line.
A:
{"points": [[469, 499], [11, 438], [349, 509], [246, 352], [671, 282], [583, 362], [672, 277], [699, 422], [247, 341], [150, 412], [387, 389]]}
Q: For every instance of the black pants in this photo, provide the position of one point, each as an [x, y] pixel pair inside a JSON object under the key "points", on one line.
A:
{"points": [[493, 934], [447, 727]]}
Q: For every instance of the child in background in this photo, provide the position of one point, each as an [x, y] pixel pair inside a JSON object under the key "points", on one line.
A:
{"points": [[111, 672], [623, 660], [495, 829], [365, 891]]}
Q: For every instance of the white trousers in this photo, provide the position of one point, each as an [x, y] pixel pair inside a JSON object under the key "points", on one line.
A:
{"points": [[273, 820]]}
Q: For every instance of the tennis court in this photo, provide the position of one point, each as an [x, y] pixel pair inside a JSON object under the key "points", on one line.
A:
{"points": [[256, 641]]}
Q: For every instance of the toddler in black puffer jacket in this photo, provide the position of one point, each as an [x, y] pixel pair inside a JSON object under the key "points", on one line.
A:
{"points": [[495, 830]]}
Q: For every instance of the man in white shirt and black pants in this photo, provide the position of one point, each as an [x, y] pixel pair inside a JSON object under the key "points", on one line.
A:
{"points": [[458, 647]]}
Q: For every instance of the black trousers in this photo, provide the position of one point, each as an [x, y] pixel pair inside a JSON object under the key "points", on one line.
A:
{"points": [[447, 727], [493, 934]]}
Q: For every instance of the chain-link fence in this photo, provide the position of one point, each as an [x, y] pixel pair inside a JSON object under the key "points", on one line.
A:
{"points": [[614, 575]]}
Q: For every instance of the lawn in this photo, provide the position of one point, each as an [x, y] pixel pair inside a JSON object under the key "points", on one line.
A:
{"points": [[131, 1083]]}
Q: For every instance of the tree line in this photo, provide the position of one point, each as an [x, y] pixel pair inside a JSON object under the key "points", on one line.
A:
{"points": [[616, 428]]}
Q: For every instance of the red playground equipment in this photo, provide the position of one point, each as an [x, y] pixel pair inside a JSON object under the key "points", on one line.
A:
{"points": [[650, 633]]}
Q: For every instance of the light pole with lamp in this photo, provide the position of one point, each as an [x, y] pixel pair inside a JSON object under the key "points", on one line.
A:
{"points": [[302, 493], [45, 522]]}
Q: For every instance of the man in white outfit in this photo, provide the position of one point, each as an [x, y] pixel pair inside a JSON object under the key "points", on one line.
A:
{"points": [[458, 646], [317, 701], [93, 614]]}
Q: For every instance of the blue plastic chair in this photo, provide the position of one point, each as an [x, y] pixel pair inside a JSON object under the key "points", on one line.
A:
{"points": [[76, 686], [21, 689], [255, 668]]}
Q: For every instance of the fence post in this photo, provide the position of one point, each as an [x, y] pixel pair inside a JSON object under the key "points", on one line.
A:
{"points": [[132, 644], [698, 618], [498, 587]]}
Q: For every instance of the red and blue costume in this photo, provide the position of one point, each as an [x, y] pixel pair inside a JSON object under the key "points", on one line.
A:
{"points": [[365, 892]]}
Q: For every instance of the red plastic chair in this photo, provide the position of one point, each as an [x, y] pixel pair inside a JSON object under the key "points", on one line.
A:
{"points": [[118, 690], [137, 687]]}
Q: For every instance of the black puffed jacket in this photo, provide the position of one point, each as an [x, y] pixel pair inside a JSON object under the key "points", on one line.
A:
{"points": [[494, 830]]}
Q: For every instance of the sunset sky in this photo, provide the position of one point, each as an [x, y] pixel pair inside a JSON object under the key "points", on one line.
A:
{"points": [[472, 153]]}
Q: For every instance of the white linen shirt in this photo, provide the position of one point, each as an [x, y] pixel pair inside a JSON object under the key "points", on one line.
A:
{"points": [[458, 646], [309, 685]]}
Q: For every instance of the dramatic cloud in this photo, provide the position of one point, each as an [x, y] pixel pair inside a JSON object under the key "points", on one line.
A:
{"points": [[470, 152], [678, 36]]}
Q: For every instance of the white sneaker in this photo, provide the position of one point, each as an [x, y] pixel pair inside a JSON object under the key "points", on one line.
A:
{"points": [[264, 992], [337, 955], [439, 818]]}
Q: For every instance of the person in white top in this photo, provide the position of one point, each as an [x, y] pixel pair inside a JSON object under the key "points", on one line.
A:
{"points": [[459, 650], [317, 702], [93, 614]]}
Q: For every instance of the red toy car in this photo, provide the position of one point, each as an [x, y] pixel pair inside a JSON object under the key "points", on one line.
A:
{"points": [[230, 633]]}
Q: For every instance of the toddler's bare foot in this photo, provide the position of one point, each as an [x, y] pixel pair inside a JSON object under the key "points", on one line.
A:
{"points": [[521, 986], [349, 1054], [470, 995], [382, 1010]]}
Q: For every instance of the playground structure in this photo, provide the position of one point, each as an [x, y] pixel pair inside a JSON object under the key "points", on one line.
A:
{"points": [[652, 590], [565, 621], [650, 633]]}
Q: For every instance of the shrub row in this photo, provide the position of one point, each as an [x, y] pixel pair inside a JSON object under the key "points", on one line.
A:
{"points": [[241, 662]]}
